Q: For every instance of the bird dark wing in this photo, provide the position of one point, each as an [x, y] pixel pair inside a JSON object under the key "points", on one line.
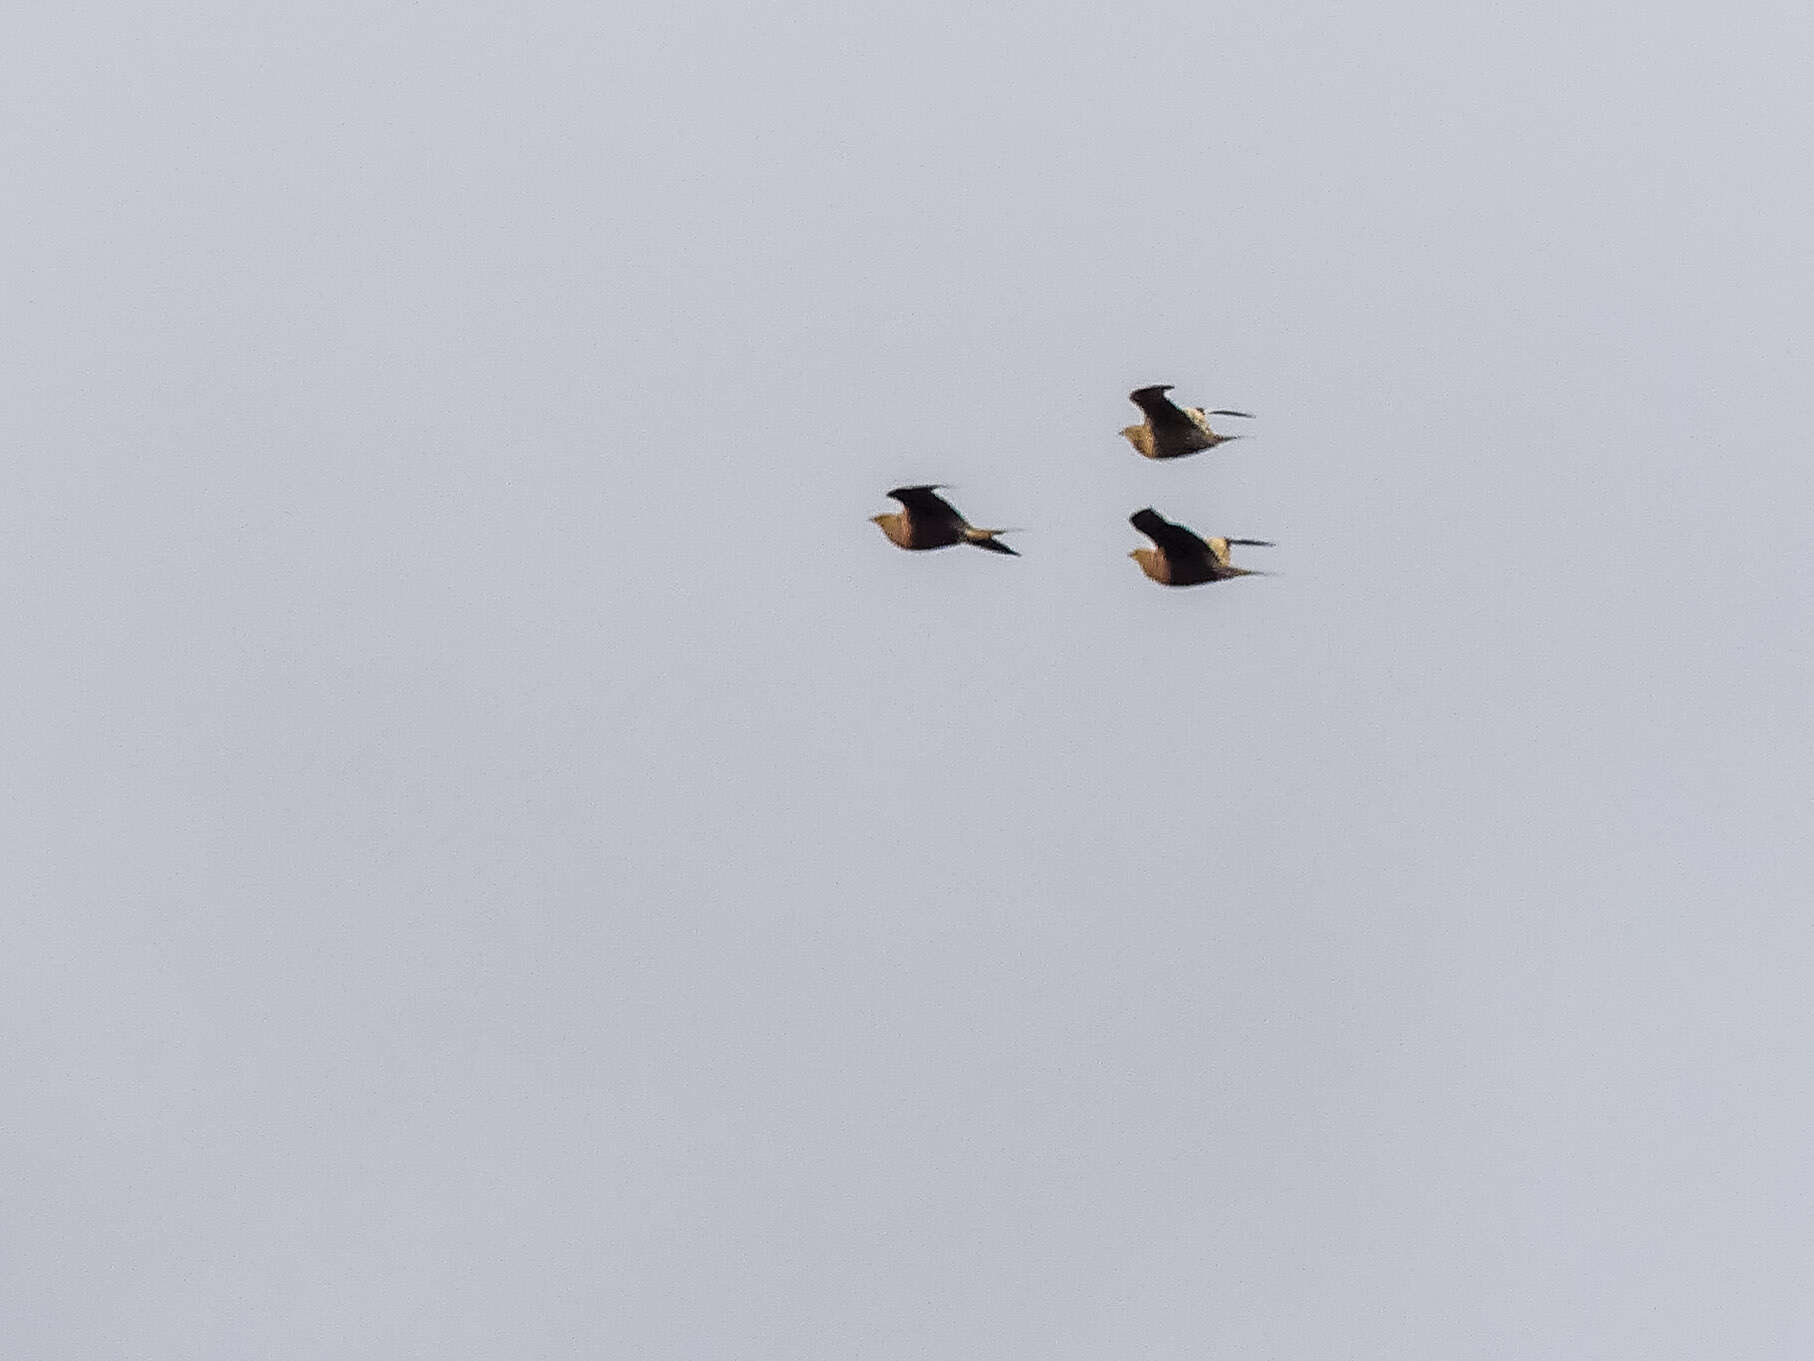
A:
{"points": [[924, 501], [1169, 538], [1255, 543], [1164, 415], [994, 546], [1244, 415]]}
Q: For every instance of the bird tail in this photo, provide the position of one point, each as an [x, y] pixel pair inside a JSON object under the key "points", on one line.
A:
{"points": [[985, 538]]}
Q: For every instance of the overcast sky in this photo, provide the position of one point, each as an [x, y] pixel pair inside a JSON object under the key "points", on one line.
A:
{"points": [[503, 860]]}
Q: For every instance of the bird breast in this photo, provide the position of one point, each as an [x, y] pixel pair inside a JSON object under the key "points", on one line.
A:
{"points": [[1153, 563]]}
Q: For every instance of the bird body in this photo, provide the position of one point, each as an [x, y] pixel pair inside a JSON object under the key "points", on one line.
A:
{"points": [[1179, 557], [1170, 430], [927, 520]]}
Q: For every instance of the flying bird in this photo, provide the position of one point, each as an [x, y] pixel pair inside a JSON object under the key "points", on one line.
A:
{"points": [[928, 520], [1170, 430], [1180, 558]]}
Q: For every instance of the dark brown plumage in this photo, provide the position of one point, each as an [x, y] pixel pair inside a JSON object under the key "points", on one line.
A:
{"points": [[1170, 430], [928, 520], [1180, 557]]}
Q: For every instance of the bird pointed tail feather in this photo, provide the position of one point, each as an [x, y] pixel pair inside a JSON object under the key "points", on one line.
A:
{"points": [[985, 538]]}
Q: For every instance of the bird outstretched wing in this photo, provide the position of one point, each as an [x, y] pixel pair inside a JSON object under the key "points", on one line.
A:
{"points": [[1163, 414], [924, 501], [1169, 538]]}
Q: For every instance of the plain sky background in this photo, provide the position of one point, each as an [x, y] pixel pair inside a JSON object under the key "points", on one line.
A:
{"points": [[502, 860]]}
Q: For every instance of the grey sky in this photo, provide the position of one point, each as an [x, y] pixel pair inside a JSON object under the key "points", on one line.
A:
{"points": [[504, 861]]}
